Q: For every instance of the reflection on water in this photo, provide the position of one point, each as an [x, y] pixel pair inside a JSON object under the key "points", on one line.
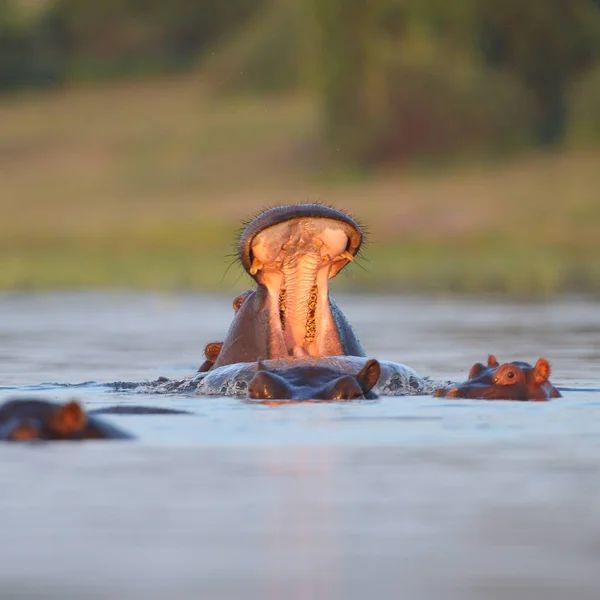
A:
{"points": [[402, 497]]}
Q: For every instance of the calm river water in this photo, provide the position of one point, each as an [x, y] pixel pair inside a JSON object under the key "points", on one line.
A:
{"points": [[410, 497]]}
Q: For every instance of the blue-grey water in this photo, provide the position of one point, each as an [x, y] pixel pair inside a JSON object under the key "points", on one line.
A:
{"points": [[406, 497]]}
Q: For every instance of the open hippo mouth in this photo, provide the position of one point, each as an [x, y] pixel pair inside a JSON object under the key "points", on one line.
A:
{"points": [[292, 252]]}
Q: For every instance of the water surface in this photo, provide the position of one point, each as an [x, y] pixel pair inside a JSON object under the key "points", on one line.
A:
{"points": [[418, 496]]}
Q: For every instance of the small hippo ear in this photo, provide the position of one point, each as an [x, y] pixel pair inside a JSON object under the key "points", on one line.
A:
{"points": [[492, 361], [475, 370], [212, 350], [369, 375], [237, 303], [67, 419], [541, 370]]}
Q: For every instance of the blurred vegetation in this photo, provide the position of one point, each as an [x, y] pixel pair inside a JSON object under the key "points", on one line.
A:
{"points": [[47, 42], [464, 133], [396, 79], [405, 78], [145, 185]]}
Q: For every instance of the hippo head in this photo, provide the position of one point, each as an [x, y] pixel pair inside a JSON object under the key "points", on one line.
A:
{"points": [[510, 381], [291, 252], [30, 419], [22, 420], [314, 382]]}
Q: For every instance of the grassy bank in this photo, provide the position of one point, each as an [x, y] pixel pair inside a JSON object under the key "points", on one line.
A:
{"points": [[144, 185]]}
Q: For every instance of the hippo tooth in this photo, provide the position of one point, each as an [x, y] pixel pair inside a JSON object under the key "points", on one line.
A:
{"points": [[345, 254], [257, 265]]}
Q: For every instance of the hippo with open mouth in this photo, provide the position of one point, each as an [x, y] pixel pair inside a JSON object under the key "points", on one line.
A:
{"points": [[291, 252], [290, 322]]}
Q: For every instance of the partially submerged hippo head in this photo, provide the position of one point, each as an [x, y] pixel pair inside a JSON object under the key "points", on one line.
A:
{"points": [[24, 420], [291, 252], [313, 382], [309, 376], [510, 381]]}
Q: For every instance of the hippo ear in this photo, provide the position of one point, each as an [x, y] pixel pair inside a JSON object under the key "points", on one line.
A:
{"points": [[67, 419], [212, 350], [475, 370], [541, 371], [237, 303], [492, 361], [369, 375]]}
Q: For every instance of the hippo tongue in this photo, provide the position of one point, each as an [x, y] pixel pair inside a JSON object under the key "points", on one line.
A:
{"points": [[294, 261]]}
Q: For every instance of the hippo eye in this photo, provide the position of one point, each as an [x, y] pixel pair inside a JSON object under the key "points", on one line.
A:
{"points": [[508, 376]]}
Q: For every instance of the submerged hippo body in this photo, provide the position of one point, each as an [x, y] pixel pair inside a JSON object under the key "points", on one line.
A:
{"points": [[291, 252], [23, 420], [516, 380], [33, 419]]}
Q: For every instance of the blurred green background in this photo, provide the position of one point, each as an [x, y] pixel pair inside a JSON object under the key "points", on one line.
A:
{"points": [[135, 136]]}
